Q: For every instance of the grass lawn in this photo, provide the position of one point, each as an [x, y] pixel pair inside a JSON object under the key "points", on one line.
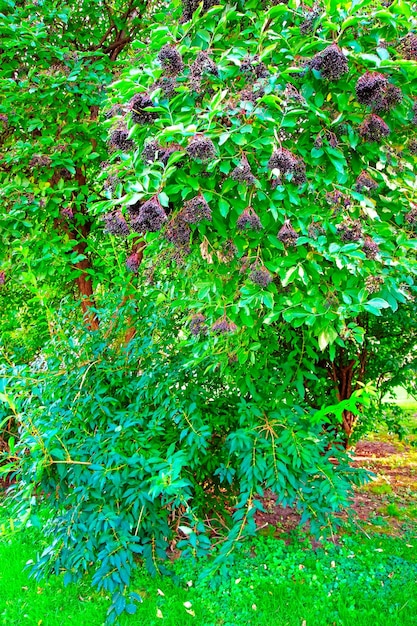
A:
{"points": [[368, 577], [364, 581]]}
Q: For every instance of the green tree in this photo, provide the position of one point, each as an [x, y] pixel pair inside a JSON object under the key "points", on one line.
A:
{"points": [[258, 202]]}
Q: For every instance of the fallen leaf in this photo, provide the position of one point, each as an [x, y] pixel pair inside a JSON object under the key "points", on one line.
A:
{"points": [[160, 593], [190, 612], [159, 614], [187, 604]]}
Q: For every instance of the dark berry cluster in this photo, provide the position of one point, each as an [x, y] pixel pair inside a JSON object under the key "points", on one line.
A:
{"points": [[370, 247], [39, 160], [331, 62], [373, 283], [350, 230], [167, 85], [412, 146], [408, 47], [373, 128], [287, 235], [67, 213], [252, 94], [133, 262], [111, 182], [119, 139], [116, 109], [374, 89], [137, 105], [260, 275], [196, 210], [253, 67], [115, 224], [248, 220], [152, 151], [198, 324], [178, 231], [202, 66], [364, 183], [171, 60], [411, 216], [414, 120], [148, 217], [201, 148], [228, 251], [287, 163], [337, 199], [243, 173], [223, 325], [189, 6], [310, 18], [315, 230]]}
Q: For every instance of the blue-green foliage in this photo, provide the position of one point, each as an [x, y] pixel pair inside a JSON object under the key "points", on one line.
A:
{"points": [[138, 449]]}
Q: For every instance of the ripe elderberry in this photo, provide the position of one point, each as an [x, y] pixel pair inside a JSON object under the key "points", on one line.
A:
{"points": [[133, 262], [373, 128], [287, 234], [365, 183], [198, 325], [350, 230], [149, 217], [115, 224], [171, 60], [287, 163], [137, 105], [201, 148], [370, 247], [119, 139], [260, 275], [196, 210], [178, 231], [223, 325], [248, 219], [242, 173], [331, 62]]}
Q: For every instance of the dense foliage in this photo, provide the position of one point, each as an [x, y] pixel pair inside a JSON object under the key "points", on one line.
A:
{"points": [[243, 197]]}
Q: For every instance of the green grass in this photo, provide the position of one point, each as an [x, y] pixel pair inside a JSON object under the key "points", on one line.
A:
{"points": [[362, 582]]}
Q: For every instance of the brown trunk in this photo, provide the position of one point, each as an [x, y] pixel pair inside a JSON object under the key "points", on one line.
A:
{"points": [[343, 377], [84, 283]]}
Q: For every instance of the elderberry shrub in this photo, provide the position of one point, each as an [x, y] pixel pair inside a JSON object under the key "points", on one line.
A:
{"points": [[133, 262], [350, 230], [243, 173], [119, 140], [375, 90], [253, 68], [223, 325], [178, 231], [196, 210]]}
